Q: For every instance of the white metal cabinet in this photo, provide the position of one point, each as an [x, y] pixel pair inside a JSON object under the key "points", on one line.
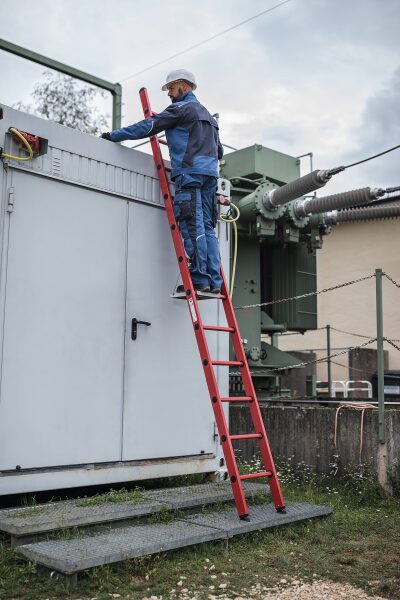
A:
{"points": [[80, 402], [167, 411], [64, 322]]}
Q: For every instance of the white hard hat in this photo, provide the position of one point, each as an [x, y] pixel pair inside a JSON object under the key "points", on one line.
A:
{"points": [[180, 74]]}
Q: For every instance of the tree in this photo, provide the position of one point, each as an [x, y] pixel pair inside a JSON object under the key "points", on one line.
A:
{"points": [[66, 101]]}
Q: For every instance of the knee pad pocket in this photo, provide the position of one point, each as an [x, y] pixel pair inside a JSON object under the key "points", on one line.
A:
{"points": [[184, 206]]}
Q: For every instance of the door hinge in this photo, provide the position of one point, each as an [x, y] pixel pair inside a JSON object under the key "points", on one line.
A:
{"points": [[10, 202]]}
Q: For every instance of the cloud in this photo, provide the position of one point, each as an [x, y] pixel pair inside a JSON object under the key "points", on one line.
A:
{"points": [[312, 75], [378, 130]]}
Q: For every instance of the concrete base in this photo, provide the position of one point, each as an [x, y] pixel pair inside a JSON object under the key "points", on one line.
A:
{"points": [[383, 469]]}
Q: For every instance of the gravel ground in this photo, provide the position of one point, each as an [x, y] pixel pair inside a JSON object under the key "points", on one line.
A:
{"points": [[318, 590], [293, 590]]}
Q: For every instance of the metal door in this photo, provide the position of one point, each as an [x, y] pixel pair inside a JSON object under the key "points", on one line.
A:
{"points": [[64, 326], [167, 410]]}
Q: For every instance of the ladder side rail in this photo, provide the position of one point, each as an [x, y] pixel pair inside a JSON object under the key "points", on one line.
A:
{"points": [[212, 385], [250, 391]]}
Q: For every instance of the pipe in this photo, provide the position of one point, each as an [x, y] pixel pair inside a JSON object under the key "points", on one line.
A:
{"points": [[295, 189], [255, 182], [312, 206], [388, 211]]}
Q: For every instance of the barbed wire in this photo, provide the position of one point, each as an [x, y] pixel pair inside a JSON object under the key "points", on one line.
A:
{"points": [[351, 333], [391, 342], [360, 335], [391, 279], [355, 334], [347, 366], [310, 362], [316, 293]]}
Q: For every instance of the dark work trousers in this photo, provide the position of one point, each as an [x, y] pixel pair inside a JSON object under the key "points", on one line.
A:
{"points": [[196, 212]]}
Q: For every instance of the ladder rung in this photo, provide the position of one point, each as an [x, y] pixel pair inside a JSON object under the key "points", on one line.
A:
{"points": [[255, 475], [217, 328], [237, 399], [228, 363], [168, 169], [246, 436]]}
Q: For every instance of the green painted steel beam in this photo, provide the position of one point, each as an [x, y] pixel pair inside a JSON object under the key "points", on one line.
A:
{"points": [[328, 352], [114, 88], [380, 358]]}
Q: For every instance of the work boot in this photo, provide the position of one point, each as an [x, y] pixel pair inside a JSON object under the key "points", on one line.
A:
{"points": [[197, 287]]}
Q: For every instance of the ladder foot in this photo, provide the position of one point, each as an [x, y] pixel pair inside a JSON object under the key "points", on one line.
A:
{"points": [[282, 510], [244, 518]]}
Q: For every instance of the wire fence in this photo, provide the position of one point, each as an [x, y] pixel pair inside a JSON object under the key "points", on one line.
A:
{"points": [[316, 293], [329, 357], [360, 335], [309, 362], [391, 279]]}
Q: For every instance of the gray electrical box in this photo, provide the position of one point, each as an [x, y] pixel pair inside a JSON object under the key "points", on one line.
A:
{"points": [[86, 248]]}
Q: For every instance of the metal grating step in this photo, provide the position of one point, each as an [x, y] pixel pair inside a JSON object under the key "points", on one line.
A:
{"points": [[73, 555], [261, 517], [69, 513]]}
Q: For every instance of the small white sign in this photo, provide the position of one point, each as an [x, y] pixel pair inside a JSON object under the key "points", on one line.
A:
{"points": [[192, 310], [392, 389]]}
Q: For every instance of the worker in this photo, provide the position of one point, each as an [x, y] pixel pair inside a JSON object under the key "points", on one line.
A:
{"points": [[194, 147]]}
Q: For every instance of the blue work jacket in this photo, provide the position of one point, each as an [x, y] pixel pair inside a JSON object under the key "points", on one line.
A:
{"points": [[192, 136]]}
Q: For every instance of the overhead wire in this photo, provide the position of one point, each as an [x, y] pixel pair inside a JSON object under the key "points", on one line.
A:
{"points": [[213, 37], [359, 162]]}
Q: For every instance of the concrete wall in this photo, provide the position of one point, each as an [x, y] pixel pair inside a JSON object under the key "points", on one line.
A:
{"points": [[307, 434], [351, 251]]}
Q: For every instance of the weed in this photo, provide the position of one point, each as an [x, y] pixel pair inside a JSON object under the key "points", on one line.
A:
{"points": [[122, 495], [29, 508], [362, 481], [165, 515], [357, 544]]}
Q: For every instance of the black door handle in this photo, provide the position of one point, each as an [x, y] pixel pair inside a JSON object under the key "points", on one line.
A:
{"points": [[135, 323]]}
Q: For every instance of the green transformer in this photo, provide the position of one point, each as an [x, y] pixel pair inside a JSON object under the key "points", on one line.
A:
{"points": [[276, 260]]}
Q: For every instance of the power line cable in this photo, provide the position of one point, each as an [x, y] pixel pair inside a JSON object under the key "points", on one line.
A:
{"points": [[213, 37], [343, 167]]}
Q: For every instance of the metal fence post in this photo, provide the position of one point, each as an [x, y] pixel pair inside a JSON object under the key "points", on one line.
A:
{"points": [[328, 350], [379, 349], [117, 106]]}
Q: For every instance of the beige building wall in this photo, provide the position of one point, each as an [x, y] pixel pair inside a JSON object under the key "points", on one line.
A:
{"points": [[351, 251]]}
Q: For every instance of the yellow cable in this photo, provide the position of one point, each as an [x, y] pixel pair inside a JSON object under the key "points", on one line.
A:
{"points": [[232, 220], [26, 143]]}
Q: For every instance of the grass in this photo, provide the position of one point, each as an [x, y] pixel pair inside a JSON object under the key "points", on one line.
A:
{"points": [[357, 544], [122, 495]]}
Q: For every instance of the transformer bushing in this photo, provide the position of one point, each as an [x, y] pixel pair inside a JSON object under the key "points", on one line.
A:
{"points": [[312, 206], [295, 189], [388, 211]]}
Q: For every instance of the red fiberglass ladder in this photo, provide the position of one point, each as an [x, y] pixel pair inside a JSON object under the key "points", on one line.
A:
{"points": [[208, 364]]}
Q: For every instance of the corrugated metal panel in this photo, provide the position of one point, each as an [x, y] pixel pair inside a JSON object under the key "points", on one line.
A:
{"points": [[293, 274], [79, 169]]}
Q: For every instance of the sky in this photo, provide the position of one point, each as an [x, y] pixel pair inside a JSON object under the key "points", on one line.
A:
{"points": [[319, 76]]}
